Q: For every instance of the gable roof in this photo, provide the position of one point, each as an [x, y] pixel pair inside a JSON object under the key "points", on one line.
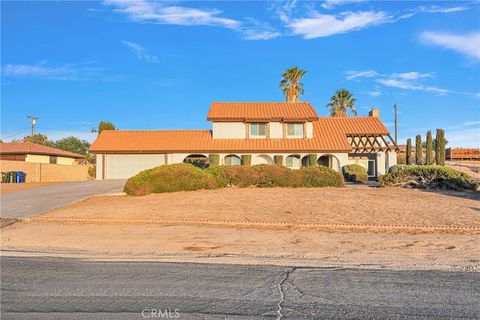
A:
{"points": [[33, 148], [329, 134], [261, 111]]}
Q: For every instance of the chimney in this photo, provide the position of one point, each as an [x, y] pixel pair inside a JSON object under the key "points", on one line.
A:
{"points": [[374, 113]]}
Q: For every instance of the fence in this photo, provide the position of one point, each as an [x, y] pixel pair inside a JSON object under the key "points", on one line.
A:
{"points": [[463, 154], [46, 172]]}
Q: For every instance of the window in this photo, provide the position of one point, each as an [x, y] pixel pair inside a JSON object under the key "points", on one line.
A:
{"points": [[293, 161], [258, 129], [233, 160], [53, 159], [295, 130]]}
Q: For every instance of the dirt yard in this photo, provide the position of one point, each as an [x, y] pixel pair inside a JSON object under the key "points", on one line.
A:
{"points": [[391, 227], [12, 187]]}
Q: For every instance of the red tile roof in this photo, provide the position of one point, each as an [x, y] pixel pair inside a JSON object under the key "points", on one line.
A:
{"points": [[33, 148], [330, 134], [251, 111]]}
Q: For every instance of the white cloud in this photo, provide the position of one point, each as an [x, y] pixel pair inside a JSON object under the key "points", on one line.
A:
{"points": [[468, 44], [352, 74], [411, 75], [330, 4], [158, 12], [375, 93], [438, 9], [253, 34], [140, 52], [64, 72], [323, 25], [471, 123], [406, 84]]}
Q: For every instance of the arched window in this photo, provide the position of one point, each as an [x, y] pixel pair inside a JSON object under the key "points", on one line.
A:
{"points": [[198, 160], [232, 160], [293, 161]]}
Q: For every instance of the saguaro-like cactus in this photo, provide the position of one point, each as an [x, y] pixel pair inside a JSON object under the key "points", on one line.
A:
{"points": [[418, 150], [409, 151], [429, 143]]}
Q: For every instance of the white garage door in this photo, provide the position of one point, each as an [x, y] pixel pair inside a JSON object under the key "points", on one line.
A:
{"points": [[123, 166]]}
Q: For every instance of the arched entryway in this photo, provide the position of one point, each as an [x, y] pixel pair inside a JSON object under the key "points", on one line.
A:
{"points": [[293, 161], [329, 161], [198, 160], [306, 161], [232, 160], [262, 159]]}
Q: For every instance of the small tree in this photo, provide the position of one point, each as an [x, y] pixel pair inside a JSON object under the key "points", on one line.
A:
{"points": [[418, 150], [72, 144], [312, 159], [37, 138], [246, 160], [440, 147], [213, 159], [104, 125], [409, 151], [278, 160], [429, 147]]}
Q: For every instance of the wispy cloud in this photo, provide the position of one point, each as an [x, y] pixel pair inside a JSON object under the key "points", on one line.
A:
{"points": [[158, 12], [467, 44], [319, 25], [352, 74], [140, 51], [439, 9], [254, 29], [63, 72], [330, 4], [411, 75], [374, 93]]}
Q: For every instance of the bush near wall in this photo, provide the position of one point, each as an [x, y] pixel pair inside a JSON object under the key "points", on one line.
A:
{"points": [[246, 160], [185, 177], [427, 177], [214, 159], [278, 160], [355, 173]]}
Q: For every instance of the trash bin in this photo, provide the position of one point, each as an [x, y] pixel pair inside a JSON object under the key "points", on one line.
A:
{"points": [[22, 177], [18, 177]]}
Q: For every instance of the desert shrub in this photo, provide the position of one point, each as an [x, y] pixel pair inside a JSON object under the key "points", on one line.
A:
{"points": [[355, 173], [169, 178], [278, 160], [185, 177], [214, 159], [246, 160], [92, 171], [427, 177], [312, 159], [401, 158]]}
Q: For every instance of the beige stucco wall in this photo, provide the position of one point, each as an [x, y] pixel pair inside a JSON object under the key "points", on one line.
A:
{"points": [[65, 161], [122, 166], [98, 166], [309, 129], [37, 158], [276, 130], [229, 130], [46, 172]]}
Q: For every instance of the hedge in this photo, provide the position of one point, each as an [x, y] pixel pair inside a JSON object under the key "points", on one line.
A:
{"points": [[355, 173], [427, 177], [246, 160], [214, 159], [185, 177], [278, 160]]}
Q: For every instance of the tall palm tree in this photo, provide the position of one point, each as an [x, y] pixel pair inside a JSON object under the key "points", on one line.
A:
{"points": [[340, 102], [291, 85]]}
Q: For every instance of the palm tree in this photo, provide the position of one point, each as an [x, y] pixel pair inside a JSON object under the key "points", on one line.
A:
{"points": [[340, 102], [291, 84]]}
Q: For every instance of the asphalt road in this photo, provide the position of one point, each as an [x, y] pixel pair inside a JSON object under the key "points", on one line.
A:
{"points": [[34, 201], [48, 288]]}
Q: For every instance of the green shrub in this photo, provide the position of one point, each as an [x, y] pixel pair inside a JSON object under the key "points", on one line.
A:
{"points": [[214, 159], [427, 177], [179, 177], [355, 173], [92, 171], [278, 160], [418, 150], [246, 160], [409, 152], [312, 159]]}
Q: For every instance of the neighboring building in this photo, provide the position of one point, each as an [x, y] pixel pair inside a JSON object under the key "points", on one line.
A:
{"points": [[264, 130], [32, 152]]}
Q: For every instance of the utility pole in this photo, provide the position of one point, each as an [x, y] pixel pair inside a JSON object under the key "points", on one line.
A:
{"points": [[396, 124], [34, 122]]}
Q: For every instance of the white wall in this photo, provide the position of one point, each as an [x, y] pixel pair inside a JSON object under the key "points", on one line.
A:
{"points": [[229, 130], [122, 166], [98, 166], [276, 130], [309, 129]]}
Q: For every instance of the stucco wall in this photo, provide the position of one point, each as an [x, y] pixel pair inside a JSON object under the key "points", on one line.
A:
{"points": [[37, 158], [65, 161], [276, 130], [229, 130], [46, 172], [309, 129]]}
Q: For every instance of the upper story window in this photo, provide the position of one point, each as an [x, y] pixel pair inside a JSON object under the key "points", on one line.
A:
{"points": [[295, 130], [258, 129]]}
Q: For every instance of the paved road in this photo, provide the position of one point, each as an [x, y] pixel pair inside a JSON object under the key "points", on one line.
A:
{"points": [[34, 201], [48, 288]]}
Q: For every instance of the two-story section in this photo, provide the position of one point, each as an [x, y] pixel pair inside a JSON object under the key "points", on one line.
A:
{"points": [[262, 120]]}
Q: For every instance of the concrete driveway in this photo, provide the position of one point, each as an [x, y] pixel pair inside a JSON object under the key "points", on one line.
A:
{"points": [[31, 202]]}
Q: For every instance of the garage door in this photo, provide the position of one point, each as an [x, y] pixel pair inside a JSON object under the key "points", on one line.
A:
{"points": [[123, 166]]}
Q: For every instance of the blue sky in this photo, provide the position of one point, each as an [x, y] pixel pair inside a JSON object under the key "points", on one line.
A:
{"points": [[159, 65]]}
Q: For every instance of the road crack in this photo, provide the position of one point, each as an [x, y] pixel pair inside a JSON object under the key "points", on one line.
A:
{"points": [[286, 274]]}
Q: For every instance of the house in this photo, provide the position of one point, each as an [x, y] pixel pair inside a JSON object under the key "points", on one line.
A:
{"points": [[32, 152], [270, 132]]}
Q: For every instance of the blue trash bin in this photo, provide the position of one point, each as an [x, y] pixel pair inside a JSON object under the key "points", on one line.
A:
{"points": [[24, 175], [18, 177]]}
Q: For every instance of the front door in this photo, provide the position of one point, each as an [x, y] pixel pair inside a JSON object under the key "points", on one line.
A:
{"points": [[372, 168]]}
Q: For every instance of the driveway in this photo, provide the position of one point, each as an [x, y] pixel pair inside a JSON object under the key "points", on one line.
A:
{"points": [[31, 202], [47, 288]]}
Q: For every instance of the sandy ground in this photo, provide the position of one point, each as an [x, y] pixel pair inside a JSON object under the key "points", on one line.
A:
{"points": [[12, 187], [401, 247], [472, 168]]}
